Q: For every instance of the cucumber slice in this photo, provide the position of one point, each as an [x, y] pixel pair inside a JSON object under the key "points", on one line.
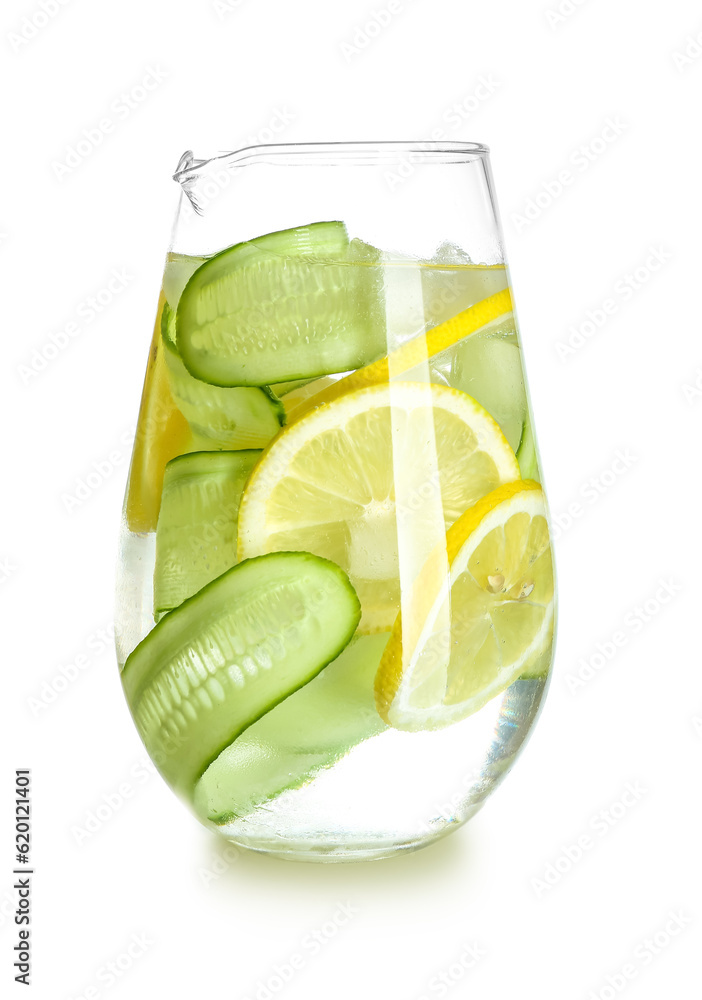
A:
{"points": [[309, 731], [228, 655], [168, 327], [234, 418], [488, 366], [283, 388], [197, 524], [178, 270], [526, 453], [289, 305]]}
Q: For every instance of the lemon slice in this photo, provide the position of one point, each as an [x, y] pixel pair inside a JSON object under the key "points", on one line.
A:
{"points": [[414, 352], [500, 615], [162, 433], [372, 481]]}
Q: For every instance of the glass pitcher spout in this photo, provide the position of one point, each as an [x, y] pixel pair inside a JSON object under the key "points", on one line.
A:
{"points": [[186, 175]]}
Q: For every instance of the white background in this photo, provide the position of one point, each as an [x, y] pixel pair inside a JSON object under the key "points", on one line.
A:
{"points": [[229, 76]]}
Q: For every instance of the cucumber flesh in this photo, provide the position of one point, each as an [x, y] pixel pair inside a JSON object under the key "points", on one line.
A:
{"points": [[488, 366], [168, 327], [247, 417], [526, 453], [309, 731], [290, 305], [197, 523], [283, 388], [176, 275], [228, 655]]}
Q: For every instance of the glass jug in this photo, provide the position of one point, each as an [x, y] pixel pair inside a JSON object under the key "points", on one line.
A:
{"points": [[336, 606]]}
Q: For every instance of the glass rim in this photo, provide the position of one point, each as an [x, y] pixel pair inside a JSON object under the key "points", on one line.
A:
{"points": [[364, 153]]}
